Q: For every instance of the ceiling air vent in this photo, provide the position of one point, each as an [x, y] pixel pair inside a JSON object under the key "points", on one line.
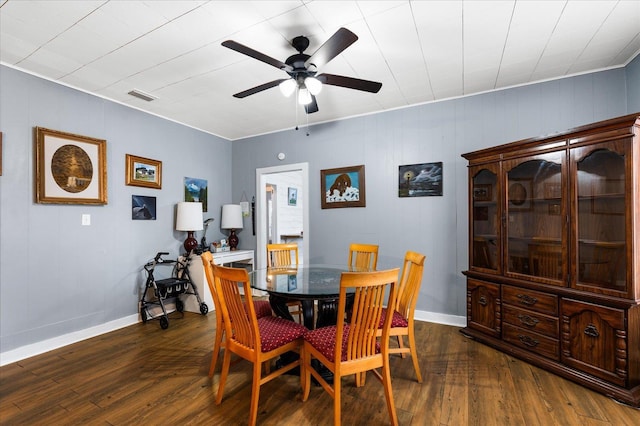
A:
{"points": [[140, 94]]}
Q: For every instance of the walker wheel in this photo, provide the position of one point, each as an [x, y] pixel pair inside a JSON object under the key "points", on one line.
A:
{"points": [[164, 323], [179, 305], [143, 314], [204, 308]]}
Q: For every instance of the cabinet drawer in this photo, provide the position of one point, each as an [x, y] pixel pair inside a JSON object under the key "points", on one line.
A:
{"points": [[531, 341], [530, 320], [533, 300]]}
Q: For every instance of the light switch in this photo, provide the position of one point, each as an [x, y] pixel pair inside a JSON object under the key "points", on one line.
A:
{"points": [[86, 219]]}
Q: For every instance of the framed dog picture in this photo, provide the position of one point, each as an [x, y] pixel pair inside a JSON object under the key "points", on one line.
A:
{"points": [[343, 187]]}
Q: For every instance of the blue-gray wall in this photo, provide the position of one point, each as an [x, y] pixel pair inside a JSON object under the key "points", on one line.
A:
{"points": [[58, 278], [633, 85]]}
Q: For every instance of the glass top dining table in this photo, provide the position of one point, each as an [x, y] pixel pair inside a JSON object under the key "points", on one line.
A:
{"points": [[306, 283]]}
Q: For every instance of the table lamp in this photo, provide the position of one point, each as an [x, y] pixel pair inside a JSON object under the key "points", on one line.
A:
{"points": [[189, 219], [232, 219]]}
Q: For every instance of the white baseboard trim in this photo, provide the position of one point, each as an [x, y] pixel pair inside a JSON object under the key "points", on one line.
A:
{"points": [[438, 318], [67, 339], [28, 351]]}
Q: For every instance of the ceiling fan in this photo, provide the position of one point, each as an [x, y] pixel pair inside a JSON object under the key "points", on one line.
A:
{"points": [[303, 68]]}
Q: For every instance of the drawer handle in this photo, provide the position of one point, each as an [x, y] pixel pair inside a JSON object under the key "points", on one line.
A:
{"points": [[528, 321], [591, 331], [482, 301], [528, 341], [527, 300]]}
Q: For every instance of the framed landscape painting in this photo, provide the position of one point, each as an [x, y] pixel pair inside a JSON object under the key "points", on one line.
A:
{"points": [[420, 180], [144, 172], [196, 190]]}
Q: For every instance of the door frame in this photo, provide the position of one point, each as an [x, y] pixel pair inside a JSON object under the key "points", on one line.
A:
{"points": [[262, 176]]}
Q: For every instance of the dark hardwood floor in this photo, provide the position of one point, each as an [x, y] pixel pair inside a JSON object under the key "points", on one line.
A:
{"points": [[144, 375]]}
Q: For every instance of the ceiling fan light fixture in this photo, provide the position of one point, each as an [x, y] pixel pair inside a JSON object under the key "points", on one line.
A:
{"points": [[287, 87], [304, 97], [313, 84]]}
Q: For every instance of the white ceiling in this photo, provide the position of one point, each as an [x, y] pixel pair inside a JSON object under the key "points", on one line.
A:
{"points": [[421, 51]]}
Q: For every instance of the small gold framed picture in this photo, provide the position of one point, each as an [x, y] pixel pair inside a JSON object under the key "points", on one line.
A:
{"points": [[144, 172]]}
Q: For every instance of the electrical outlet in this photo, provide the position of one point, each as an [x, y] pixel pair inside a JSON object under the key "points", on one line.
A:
{"points": [[86, 220]]}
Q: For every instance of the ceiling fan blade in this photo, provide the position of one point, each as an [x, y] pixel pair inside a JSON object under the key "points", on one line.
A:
{"points": [[331, 48], [260, 88], [256, 55], [350, 82], [311, 107]]}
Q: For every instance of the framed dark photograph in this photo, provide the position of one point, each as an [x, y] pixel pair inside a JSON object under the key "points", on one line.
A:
{"points": [[143, 207], [482, 192], [420, 180], [519, 195], [292, 196], [70, 169], [342, 187], [142, 171]]}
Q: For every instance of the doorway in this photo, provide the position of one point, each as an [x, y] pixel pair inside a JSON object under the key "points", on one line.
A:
{"points": [[265, 178]]}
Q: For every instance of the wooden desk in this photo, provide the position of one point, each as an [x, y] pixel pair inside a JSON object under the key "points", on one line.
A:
{"points": [[236, 256]]}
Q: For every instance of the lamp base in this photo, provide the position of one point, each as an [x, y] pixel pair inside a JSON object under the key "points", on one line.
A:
{"points": [[233, 240], [190, 243]]}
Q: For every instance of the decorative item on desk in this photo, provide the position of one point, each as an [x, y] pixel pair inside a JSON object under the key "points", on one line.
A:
{"points": [[189, 219], [232, 220], [203, 241]]}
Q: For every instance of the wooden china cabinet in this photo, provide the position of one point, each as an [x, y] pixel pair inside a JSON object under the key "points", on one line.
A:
{"points": [[554, 253]]}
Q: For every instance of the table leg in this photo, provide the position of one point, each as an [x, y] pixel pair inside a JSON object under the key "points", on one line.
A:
{"points": [[279, 306], [307, 312]]}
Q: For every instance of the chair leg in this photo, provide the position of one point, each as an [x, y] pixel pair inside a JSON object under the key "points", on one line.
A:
{"points": [[305, 365], [388, 392], [255, 393], [336, 400], [216, 352], [226, 361], [414, 354]]}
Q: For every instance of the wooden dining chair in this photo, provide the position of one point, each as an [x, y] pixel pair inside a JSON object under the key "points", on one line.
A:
{"points": [[255, 339], [280, 255], [352, 347], [402, 320], [363, 255], [261, 307]]}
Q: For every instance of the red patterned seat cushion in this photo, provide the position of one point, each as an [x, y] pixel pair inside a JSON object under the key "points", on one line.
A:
{"points": [[324, 340], [275, 332], [262, 307], [396, 321]]}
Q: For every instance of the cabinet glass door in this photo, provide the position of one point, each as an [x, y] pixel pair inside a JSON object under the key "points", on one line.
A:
{"points": [[536, 219], [485, 253], [601, 218]]}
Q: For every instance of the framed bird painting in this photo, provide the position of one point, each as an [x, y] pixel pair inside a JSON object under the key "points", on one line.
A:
{"points": [[420, 180]]}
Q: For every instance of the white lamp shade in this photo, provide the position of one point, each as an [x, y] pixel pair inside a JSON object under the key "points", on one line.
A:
{"points": [[304, 97], [313, 84], [287, 87], [189, 217], [231, 216]]}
